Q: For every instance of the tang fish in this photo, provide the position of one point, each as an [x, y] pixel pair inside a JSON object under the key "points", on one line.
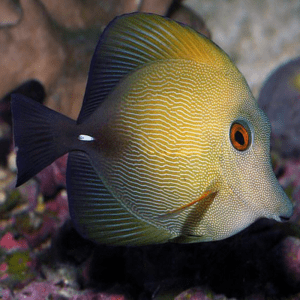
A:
{"points": [[169, 145]]}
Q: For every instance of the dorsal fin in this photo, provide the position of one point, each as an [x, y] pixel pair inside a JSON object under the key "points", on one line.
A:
{"points": [[133, 40]]}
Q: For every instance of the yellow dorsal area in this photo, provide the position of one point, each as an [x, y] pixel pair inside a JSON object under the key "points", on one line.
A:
{"points": [[152, 37], [136, 40]]}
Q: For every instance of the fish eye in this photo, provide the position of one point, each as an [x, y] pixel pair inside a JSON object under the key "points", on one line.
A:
{"points": [[240, 135]]}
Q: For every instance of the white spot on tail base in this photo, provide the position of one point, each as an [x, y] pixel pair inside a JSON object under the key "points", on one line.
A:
{"points": [[85, 138]]}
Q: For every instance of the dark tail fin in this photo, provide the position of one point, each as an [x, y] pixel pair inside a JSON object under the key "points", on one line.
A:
{"points": [[41, 136]]}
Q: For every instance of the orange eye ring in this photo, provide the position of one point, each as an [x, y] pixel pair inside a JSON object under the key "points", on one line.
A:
{"points": [[240, 136]]}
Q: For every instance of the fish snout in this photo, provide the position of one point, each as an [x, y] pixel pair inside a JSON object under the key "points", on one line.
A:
{"points": [[289, 208]]}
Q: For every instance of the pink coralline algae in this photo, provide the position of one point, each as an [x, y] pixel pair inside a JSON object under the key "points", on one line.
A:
{"points": [[44, 222], [50, 290], [5, 294], [53, 176], [3, 271], [8, 242], [59, 207]]}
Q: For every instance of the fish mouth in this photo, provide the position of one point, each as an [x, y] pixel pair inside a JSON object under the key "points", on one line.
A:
{"points": [[284, 218]]}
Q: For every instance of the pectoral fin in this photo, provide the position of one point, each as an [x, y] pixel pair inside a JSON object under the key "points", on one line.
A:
{"points": [[180, 209]]}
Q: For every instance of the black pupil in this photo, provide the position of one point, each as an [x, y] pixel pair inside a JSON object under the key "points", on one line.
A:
{"points": [[239, 138]]}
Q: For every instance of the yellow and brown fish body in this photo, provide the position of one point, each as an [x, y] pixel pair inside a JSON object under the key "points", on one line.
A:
{"points": [[169, 145]]}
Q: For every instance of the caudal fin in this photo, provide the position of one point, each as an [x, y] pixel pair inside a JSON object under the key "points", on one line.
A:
{"points": [[41, 135]]}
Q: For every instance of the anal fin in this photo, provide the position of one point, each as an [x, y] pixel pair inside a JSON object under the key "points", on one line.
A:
{"points": [[97, 215]]}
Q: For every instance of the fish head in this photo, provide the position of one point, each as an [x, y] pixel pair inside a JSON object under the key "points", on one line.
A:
{"points": [[248, 188], [242, 184]]}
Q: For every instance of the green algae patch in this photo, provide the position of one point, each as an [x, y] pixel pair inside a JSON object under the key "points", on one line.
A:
{"points": [[13, 199]]}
